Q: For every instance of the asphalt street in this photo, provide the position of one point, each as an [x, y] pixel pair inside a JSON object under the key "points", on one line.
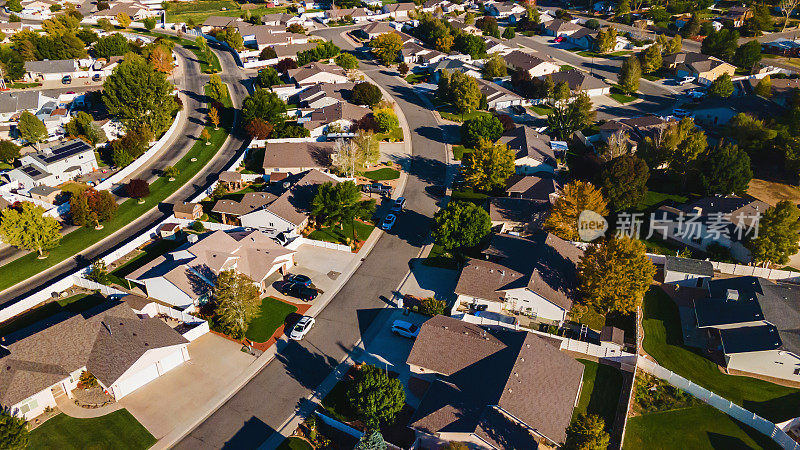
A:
{"points": [[238, 83], [251, 416]]}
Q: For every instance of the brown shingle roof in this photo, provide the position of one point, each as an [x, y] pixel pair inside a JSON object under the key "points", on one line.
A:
{"points": [[298, 154], [293, 205], [531, 187], [250, 202], [185, 207]]}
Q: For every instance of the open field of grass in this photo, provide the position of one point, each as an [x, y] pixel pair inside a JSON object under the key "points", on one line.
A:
{"points": [[130, 210], [663, 341]]}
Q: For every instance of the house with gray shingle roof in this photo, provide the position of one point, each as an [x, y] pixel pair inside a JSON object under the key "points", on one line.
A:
{"points": [[492, 388], [43, 363], [534, 153], [50, 69]]}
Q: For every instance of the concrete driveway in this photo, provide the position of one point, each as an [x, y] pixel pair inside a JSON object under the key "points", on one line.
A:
{"points": [[178, 398], [390, 351], [323, 265]]}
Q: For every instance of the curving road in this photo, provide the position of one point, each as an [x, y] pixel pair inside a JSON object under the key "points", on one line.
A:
{"points": [[253, 414], [238, 86]]}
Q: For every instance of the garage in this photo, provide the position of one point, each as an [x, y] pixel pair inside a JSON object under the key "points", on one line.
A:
{"points": [[171, 361], [135, 381]]}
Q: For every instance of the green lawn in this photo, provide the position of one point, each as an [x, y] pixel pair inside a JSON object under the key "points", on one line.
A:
{"points": [[662, 340], [118, 430], [566, 67], [340, 235], [439, 257], [395, 135], [654, 199], [130, 210], [618, 95], [592, 54], [150, 252], [295, 443], [272, 315], [5, 166], [459, 150], [602, 385], [74, 304], [700, 427], [469, 195], [541, 110], [385, 173], [414, 78], [449, 113], [199, 11], [21, 85], [593, 319]]}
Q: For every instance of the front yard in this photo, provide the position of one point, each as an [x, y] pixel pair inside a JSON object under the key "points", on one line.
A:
{"points": [[272, 315], [118, 430], [340, 235], [663, 341], [383, 174], [620, 96]]}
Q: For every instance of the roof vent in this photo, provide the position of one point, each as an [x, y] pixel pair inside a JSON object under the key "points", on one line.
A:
{"points": [[528, 345], [732, 295], [522, 359]]}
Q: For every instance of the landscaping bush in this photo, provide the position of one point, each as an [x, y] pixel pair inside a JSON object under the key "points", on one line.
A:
{"points": [[87, 380], [198, 226], [432, 307], [653, 395], [386, 119], [365, 93]]}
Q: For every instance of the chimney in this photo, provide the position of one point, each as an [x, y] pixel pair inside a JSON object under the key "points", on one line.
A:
{"points": [[732, 295]]}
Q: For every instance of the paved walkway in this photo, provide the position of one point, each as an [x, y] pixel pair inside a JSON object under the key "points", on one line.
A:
{"points": [[67, 406]]}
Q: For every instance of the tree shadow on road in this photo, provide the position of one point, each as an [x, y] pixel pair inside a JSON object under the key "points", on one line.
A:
{"points": [[252, 434]]}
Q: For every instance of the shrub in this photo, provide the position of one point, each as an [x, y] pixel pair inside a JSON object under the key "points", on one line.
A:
{"points": [[198, 226], [432, 307], [365, 93], [171, 172], [87, 380], [98, 272], [386, 119]]}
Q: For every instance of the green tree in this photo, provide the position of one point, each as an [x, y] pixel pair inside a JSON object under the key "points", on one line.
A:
{"points": [[98, 272], [216, 88], [112, 45], [722, 44], [489, 166], [675, 45], [149, 23], [764, 87], [82, 126], [568, 117], [725, 170], [386, 119], [751, 134], [375, 397], [721, 87], [386, 47], [139, 95], [587, 432], [231, 37], [460, 225], [14, 5], [347, 61], [509, 33], [575, 198], [236, 301], [9, 151], [368, 146], [267, 53], [170, 172], [371, 440], [623, 8], [624, 181], [461, 90], [691, 28], [607, 39], [264, 104], [495, 67], [31, 128], [366, 93], [267, 77], [778, 236], [486, 127], [105, 24], [747, 54], [27, 228], [629, 75], [615, 275], [337, 204], [651, 59], [13, 429]]}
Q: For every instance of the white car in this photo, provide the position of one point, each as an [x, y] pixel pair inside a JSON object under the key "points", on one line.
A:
{"points": [[301, 328], [405, 329], [388, 222], [686, 80], [696, 94]]}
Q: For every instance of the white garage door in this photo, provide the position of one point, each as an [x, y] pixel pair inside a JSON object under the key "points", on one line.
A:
{"points": [[171, 361], [135, 381]]}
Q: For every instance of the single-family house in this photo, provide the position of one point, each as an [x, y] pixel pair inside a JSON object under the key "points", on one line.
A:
{"points": [[413, 53], [482, 392], [45, 193], [315, 72], [782, 89], [560, 27], [358, 15], [719, 111], [232, 180], [187, 210], [494, 45], [374, 29], [49, 70], [296, 157], [460, 25], [504, 9], [536, 64], [55, 165], [399, 11], [43, 362], [753, 323], [533, 151], [339, 116], [290, 212], [323, 94], [498, 97], [14, 103], [737, 15], [217, 23], [636, 128], [135, 10], [706, 68], [535, 277], [532, 187], [687, 272], [724, 221], [232, 210], [452, 65], [580, 81], [446, 6], [185, 276]]}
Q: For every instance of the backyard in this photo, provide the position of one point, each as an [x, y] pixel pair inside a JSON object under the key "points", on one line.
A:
{"points": [[663, 341], [272, 315], [600, 392], [73, 304], [118, 430], [147, 254]]}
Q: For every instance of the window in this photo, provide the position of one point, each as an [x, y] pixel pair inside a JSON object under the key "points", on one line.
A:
{"points": [[29, 405]]}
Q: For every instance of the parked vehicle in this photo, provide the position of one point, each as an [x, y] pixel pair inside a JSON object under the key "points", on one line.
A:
{"points": [[399, 204], [301, 328], [559, 39], [686, 80], [680, 112], [388, 222], [67, 79], [299, 279], [696, 94], [517, 109], [300, 291], [377, 188], [405, 329], [96, 77]]}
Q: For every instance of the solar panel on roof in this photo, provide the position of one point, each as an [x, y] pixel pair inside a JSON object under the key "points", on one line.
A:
{"points": [[31, 171], [66, 150]]}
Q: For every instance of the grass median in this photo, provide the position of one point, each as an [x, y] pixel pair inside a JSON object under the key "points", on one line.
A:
{"points": [[79, 240]]}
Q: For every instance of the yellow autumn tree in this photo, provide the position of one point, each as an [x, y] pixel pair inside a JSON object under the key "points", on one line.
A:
{"points": [[574, 199]]}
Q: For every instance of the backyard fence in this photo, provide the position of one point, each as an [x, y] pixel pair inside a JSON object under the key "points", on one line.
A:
{"points": [[107, 291], [200, 326], [741, 269], [751, 419]]}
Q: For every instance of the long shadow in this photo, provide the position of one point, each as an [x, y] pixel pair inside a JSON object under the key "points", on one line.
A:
{"points": [[252, 434], [427, 170], [365, 318], [308, 368], [412, 227]]}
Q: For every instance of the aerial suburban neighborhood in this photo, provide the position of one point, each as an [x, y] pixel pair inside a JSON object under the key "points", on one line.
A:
{"points": [[384, 224]]}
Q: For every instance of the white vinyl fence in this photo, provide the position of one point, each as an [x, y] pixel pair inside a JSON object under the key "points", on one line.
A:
{"points": [[737, 412], [741, 269]]}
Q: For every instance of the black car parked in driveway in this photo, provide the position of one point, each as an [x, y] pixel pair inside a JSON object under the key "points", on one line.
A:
{"points": [[300, 291]]}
